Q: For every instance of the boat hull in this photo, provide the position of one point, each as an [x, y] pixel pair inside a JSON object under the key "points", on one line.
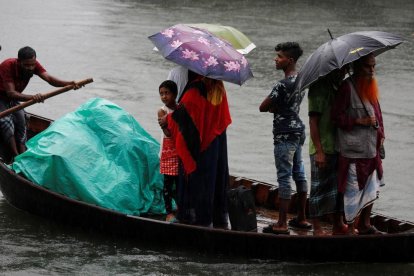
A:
{"points": [[37, 200], [397, 246]]}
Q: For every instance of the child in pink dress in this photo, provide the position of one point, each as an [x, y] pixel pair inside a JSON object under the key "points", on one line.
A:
{"points": [[169, 159]]}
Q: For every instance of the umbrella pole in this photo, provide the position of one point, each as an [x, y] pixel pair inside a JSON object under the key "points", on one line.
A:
{"points": [[330, 34]]}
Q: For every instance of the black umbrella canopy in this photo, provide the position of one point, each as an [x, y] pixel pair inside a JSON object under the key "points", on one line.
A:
{"points": [[343, 50]]}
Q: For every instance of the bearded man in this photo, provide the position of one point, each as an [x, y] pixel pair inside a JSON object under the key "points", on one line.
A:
{"points": [[357, 114], [15, 74]]}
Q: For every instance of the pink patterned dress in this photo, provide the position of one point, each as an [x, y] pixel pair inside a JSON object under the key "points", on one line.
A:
{"points": [[169, 159]]}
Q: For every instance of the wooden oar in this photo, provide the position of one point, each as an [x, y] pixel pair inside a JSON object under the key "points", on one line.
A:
{"points": [[45, 96]]}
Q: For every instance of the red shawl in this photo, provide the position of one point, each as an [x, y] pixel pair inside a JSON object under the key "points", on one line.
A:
{"points": [[200, 117]]}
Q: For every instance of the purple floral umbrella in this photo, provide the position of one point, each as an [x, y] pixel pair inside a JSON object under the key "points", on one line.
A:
{"points": [[203, 53]]}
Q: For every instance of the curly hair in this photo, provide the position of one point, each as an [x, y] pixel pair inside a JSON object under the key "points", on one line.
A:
{"points": [[292, 49]]}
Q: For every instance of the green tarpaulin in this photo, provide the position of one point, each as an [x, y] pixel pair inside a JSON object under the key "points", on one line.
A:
{"points": [[98, 154]]}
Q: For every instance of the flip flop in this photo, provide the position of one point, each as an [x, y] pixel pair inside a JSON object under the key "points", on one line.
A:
{"points": [[371, 231], [295, 223], [271, 230]]}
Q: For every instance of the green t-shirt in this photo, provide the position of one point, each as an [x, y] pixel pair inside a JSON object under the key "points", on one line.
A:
{"points": [[320, 98]]}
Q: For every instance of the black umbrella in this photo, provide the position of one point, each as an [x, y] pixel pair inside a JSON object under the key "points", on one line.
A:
{"points": [[343, 50]]}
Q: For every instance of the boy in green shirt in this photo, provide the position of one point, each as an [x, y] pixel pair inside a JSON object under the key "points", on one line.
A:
{"points": [[324, 198]]}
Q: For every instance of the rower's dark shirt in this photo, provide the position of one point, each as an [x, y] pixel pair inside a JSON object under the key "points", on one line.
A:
{"points": [[9, 72]]}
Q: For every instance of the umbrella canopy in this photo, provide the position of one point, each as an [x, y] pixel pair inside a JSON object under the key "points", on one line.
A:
{"points": [[202, 52], [343, 50], [236, 38]]}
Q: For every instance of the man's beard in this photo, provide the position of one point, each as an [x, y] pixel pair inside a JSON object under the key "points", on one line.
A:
{"points": [[26, 74], [367, 89]]}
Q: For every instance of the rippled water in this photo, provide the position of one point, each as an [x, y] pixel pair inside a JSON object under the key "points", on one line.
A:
{"points": [[107, 40]]}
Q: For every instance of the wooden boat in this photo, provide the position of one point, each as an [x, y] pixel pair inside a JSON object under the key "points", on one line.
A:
{"points": [[300, 246]]}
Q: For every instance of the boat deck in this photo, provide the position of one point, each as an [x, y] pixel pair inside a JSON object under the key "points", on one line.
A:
{"points": [[267, 205], [266, 217]]}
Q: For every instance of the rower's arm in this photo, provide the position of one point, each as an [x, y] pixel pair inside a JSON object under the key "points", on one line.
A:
{"points": [[13, 94], [55, 81]]}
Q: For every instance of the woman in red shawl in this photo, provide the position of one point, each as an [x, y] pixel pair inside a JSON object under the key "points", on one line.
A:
{"points": [[198, 127]]}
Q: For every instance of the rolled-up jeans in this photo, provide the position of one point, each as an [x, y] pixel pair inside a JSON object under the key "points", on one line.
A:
{"points": [[289, 164]]}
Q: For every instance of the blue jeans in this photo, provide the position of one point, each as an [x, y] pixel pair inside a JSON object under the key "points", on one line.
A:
{"points": [[289, 164]]}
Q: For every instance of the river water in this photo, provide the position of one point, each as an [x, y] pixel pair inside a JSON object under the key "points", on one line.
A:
{"points": [[107, 40]]}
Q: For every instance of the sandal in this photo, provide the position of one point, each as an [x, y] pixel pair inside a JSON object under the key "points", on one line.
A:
{"points": [[370, 231], [171, 218], [277, 231], [296, 224]]}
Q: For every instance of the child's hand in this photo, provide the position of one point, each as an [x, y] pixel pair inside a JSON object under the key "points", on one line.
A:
{"points": [[162, 121]]}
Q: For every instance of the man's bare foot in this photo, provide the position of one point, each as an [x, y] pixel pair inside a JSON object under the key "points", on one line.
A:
{"points": [[343, 230]]}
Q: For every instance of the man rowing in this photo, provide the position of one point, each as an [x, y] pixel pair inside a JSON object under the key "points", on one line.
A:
{"points": [[15, 74]]}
